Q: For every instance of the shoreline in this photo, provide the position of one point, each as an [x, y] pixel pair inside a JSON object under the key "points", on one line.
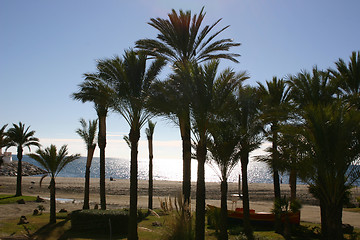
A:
{"points": [[117, 196], [66, 186]]}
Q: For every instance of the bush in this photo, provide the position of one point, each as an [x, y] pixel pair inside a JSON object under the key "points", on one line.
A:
{"points": [[100, 221], [180, 224]]}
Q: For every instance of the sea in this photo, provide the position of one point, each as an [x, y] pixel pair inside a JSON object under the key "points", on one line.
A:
{"points": [[163, 169], [166, 169]]}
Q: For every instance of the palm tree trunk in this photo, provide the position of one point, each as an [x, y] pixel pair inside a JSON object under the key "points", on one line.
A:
{"points": [[134, 137], [323, 220], [333, 222], [19, 171], [276, 177], [200, 191], [150, 200], [102, 145], [90, 154], [52, 201], [245, 191], [223, 210], [186, 148]]}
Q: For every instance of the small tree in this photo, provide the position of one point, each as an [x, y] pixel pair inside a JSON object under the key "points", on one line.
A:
{"points": [[88, 134], [53, 162], [20, 137], [223, 146]]}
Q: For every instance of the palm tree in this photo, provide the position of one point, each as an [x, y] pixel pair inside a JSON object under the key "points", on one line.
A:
{"points": [[208, 95], [53, 162], [321, 105], [20, 137], [132, 84], [88, 134], [250, 129], [182, 39], [223, 146], [149, 133], [95, 89], [275, 109], [3, 142], [3, 139], [332, 132]]}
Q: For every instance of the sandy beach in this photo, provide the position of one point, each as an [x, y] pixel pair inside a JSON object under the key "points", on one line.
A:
{"points": [[70, 190]]}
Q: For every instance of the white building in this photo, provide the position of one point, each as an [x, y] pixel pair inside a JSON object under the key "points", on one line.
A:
{"points": [[7, 157]]}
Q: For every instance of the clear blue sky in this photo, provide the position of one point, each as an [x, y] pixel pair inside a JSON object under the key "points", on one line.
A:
{"points": [[46, 47]]}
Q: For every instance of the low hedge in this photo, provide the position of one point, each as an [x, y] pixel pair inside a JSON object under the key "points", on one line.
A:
{"points": [[100, 221]]}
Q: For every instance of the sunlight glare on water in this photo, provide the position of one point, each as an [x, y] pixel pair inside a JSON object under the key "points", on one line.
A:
{"points": [[164, 169]]}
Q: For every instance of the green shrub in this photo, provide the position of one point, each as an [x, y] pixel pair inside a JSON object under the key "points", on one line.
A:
{"points": [[100, 221], [213, 218]]}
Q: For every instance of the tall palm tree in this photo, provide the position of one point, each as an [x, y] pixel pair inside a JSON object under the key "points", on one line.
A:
{"points": [[182, 39], [95, 89], [149, 133], [208, 94], [323, 88], [88, 134], [132, 85], [275, 109], [53, 162], [20, 137], [247, 111]]}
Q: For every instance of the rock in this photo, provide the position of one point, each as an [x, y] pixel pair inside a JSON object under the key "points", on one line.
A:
{"points": [[21, 201], [36, 212], [63, 210], [156, 224], [28, 169], [39, 199], [23, 220]]}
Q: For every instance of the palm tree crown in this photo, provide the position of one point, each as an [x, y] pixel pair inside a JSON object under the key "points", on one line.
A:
{"points": [[88, 132], [3, 139], [19, 136], [53, 161], [182, 39], [132, 85], [314, 87], [349, 75]]}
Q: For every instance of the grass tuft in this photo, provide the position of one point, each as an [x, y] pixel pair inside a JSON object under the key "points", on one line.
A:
{"points": [[7, 199]]}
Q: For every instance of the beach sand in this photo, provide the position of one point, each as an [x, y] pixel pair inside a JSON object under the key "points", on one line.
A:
{"points": [[71, 190]]}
